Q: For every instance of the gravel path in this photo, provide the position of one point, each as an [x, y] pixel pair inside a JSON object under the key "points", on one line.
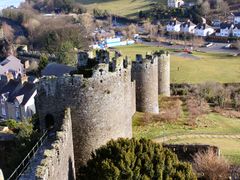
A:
{"points": [[186, 136]]}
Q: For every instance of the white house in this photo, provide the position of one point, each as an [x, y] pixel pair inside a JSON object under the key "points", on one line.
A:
{"points": [[187, 27], [173, 26], [175, 3], [203, 29], [236, 17], [236, 30], [225, 29]]}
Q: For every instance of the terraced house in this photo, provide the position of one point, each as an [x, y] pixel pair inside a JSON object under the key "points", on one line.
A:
{"points": [[17, 100]]}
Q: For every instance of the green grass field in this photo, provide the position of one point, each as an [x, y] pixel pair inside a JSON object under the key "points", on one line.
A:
{"points": [[127, 8], [208, 124], [212, 128], [230, 148], [209, 67]]}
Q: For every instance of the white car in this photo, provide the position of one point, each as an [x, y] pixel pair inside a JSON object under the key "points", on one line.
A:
{"points": [[228, 46], [209, 45]]}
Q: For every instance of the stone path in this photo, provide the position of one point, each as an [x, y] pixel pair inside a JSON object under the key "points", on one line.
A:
{"points": [[186, 136]]}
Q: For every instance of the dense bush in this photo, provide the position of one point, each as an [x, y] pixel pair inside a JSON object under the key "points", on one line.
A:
{"points": [[25, 139], [170, 110], [214, 93], [135, 159], [196, 107]]}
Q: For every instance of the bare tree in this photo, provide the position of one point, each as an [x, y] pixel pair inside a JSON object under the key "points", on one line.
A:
{"points": [[205, 8], [222, 6], [8, 31], [87, 22], [131, 30]]}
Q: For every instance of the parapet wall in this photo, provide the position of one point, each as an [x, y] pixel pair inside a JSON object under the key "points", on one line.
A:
{"points": [[58, 162], [186, 152], [102, 107]]}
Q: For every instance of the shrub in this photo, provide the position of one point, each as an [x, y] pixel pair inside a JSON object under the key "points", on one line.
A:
{"points": [[211, 166], [214, 93], [196, 107], [170, 110], [135, 159]]}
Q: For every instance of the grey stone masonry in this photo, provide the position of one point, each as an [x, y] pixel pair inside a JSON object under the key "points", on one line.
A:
{"points": [[164, 74], [145, 73], [102, 106]]}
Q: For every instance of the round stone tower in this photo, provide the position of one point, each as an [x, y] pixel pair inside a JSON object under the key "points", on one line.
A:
{"points": [[145, 73], [164, 74], [102, 106]]}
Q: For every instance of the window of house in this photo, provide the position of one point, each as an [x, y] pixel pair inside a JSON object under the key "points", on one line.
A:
{"points": [[17, 110]]}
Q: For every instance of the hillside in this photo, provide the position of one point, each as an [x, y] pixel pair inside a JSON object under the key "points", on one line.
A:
{"points": [[127, 8]]}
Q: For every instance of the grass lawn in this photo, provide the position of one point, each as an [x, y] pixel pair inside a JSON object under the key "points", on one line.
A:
{"points": [[209, 67], [127, 8], [208, 124], [230, 148]]}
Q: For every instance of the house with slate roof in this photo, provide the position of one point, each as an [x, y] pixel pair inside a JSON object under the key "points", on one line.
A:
{"points": [[236, 30], [225, 29], [175, 3], [236, 17], [187, 27], [17, 100], [173, 26], [202, 29], [11, 65]]}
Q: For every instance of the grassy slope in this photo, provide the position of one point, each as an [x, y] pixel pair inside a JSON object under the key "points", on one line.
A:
{"points": [[128, 8], [229, 147], [208, 124], [210, 66]]}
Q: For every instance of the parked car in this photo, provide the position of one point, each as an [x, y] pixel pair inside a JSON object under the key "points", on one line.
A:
{"points": [[170, 43], [228, 46], [208, 44]]}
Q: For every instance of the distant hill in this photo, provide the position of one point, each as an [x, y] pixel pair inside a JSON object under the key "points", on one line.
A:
{"points": [[127, 8]]}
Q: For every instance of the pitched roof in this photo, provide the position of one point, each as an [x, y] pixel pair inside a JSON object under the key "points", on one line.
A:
{"points": [[188, 24], [23, 94], [19, 92], [10, 87], [236, 13], [11, 63], [173, 22], [54, 69], [236, 26], [225, 25], [202, 26]]}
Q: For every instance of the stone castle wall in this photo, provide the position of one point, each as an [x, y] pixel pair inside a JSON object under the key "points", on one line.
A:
{"points": [[145, 73], [57, 161], [102, 107], [164, 75]]}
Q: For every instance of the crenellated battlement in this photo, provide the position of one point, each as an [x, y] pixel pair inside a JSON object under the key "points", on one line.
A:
{"points": [[103, 95]]}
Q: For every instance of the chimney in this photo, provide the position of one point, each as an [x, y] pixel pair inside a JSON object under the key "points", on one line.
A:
{"points": [[204, 20], [24, 78], [9, 76]]}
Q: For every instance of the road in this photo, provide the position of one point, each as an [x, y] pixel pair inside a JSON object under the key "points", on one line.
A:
{"points": [[217, 47]]}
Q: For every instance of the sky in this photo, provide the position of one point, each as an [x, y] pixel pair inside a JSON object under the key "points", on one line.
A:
{"points": [[7, 3]]}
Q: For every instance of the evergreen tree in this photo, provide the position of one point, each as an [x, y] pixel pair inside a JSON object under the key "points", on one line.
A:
{"points": [[136, 160]]}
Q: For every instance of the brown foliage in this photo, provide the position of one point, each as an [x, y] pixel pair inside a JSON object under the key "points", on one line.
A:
{"points": [[8, 31], [170, 110], [211, 166], [196, 107]]}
